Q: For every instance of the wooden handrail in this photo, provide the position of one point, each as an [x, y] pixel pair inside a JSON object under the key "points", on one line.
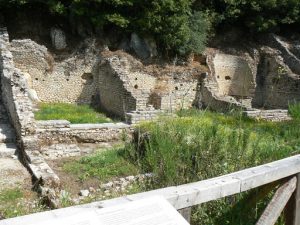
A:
{"points": [[187, 195]]}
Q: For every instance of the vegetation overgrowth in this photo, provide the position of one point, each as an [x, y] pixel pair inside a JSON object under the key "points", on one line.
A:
{"points": [[294, 110], [179, 26], [17, 202], [104, 165], [71, 112], [198, 145]]}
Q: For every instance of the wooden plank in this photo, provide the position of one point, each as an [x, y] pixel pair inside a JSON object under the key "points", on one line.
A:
{"points": [[278, 202], [296, 218], [292, 212], [188, 195]]}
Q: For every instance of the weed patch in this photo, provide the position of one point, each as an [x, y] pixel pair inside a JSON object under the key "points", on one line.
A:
{"points": [[294, 110], [200, 145], [70, 112], [104, 165], [16, 202]]}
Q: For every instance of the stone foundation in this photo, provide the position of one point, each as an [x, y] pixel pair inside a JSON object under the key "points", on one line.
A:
{"points": [[61, 131]]}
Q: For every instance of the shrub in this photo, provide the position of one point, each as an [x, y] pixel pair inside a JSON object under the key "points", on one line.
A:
{"points": [[169, 21], [259, 16]]}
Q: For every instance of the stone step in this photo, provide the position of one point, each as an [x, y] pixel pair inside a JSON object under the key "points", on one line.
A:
{"points": [[7, 134], [7, 149]]}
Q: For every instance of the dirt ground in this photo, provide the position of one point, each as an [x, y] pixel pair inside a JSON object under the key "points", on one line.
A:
{"points": [[71, 183], [13, 174]]}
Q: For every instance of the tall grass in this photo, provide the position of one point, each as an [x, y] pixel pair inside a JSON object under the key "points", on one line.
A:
{"points": [[70, 112], [294, 110], [201, 145]]}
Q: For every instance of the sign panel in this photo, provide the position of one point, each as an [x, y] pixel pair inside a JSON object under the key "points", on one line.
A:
{"points": [[150, 211]]}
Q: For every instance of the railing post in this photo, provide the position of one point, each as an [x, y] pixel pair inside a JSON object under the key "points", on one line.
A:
{"points": [[292, 213], [186, 213]]}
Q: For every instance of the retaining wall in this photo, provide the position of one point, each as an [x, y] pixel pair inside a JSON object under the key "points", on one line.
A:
{"points": [[61, 131]]}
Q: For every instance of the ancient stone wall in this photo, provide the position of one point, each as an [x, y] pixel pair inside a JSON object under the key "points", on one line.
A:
{"points": [[233, 75], [120, 88], [135, 117], [19, 107], [208, 97], [57, 80], [61, 131], [184, 93], [14, 92], [113, 97], [126, 90]]}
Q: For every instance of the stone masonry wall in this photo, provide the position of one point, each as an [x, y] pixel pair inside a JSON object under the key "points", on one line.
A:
{"points": [[233, 75], [14, 92], [61, 131], [57, 80], [120, 88], [113, 97], [126, 90], [19, 107], [208, 97]]}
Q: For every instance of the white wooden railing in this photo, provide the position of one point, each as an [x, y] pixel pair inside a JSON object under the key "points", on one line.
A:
{"points": [[185, 196]]}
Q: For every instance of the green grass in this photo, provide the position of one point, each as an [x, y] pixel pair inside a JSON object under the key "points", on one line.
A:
{"points": [[105, 166], [199, 145], [294, 110], [70, 112], [15, 202]]}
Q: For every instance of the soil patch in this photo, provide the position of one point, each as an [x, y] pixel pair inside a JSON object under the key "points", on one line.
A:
{"points": [[13, 174], [70, 182]]}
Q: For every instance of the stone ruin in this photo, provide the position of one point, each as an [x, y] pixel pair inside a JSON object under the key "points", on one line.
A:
{"points": [[261, 81], [264, 77], [125, 88]]}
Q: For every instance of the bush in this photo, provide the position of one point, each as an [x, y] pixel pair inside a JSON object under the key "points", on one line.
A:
{"points": [[171, 22], [179, 26], [256, 15]]}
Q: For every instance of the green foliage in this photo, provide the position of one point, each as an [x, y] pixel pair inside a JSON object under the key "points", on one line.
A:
{"points": [[179, 26], [104, 165], [201, 145], [70, 112], [14, 202], [294, 110], [171, 22], [197, 34], [257, 15], [11, 195]]}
